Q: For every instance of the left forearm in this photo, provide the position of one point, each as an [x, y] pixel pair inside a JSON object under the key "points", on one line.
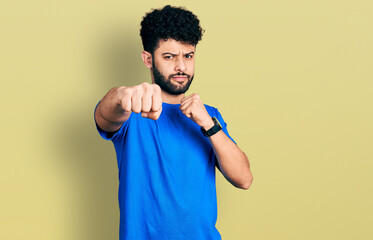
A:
{"points": [[233, 163]]}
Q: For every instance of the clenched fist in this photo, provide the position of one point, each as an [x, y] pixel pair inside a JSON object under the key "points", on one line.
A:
{"points": [[145, 98], [193, 107]]}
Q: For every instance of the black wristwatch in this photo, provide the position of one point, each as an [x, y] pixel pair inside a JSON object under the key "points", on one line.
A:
{"points": [[216, 128]]}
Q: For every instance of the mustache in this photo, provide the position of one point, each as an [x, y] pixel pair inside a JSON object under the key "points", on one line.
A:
{"points": [[180, 74]]}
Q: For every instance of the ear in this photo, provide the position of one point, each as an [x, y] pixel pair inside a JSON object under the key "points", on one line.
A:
{"points": [[147, 59]]}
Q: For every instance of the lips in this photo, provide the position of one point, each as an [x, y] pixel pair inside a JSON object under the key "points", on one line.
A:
{"points": [[179, 79]]}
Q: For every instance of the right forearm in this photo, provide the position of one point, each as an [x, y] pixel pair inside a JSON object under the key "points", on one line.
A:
{"points": [[109, 113], [117, 105]]}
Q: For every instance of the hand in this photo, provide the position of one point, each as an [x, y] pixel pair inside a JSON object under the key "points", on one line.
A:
{"points": [[145, 98], [194, 109]]}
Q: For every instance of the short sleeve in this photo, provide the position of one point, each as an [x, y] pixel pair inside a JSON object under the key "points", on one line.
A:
{"points": [[109, 135], [215, 113]]}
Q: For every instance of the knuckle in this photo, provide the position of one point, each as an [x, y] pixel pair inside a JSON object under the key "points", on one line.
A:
{"points": [[145, 85], [119, 89], [156, 88], [127, 91], [136, 91]]}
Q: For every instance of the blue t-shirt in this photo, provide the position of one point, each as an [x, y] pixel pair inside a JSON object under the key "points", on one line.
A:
{"points": [[166, 177]]}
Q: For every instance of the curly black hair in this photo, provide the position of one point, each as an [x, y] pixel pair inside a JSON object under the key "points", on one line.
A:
{"points": [[169, 23]]}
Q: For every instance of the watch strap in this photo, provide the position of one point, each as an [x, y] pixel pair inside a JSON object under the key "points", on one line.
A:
{"points": [[216, 128]]}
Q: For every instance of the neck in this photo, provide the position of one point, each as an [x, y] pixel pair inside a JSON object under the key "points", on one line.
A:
{"points": [[171, 99]]}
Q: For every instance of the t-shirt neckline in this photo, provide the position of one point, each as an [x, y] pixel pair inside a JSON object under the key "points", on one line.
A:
{"points": [[170, 106]]}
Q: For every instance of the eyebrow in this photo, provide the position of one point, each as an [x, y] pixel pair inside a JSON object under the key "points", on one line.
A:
{"points": [[173, 54]]}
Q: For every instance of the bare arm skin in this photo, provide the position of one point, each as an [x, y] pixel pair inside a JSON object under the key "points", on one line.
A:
{"points": [[234, 164], [116, 106]]}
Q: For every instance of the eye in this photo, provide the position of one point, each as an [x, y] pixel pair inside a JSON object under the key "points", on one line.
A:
{"points": [[189, 56], [168, 56]]}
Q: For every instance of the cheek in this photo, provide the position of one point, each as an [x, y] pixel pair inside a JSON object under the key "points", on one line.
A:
{"points": [[167, 70], [163, 67], [191, 68]]}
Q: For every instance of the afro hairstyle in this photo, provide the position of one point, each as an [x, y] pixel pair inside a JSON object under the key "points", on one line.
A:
{"points": [[169, 23]]}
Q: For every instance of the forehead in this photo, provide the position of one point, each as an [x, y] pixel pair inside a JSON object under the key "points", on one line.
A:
{"points": [[173, 46]]}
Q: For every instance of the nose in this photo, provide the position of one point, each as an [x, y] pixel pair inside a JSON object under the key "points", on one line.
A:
{"points": [[180, 65]]}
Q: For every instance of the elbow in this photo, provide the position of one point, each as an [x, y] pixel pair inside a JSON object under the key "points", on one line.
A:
{"points": [[247, 183], [248, 176]]}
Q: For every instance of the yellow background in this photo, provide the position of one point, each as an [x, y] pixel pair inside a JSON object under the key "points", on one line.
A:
{"points": [[293, 80]]}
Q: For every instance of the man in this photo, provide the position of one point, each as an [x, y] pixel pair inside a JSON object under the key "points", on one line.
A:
{"points": [[168, 144]]}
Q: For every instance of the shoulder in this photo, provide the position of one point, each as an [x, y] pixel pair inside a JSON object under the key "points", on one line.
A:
{"points": [[214, 112]]}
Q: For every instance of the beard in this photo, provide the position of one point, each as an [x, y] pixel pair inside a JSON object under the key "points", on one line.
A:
{"points": [[166, 84]]}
